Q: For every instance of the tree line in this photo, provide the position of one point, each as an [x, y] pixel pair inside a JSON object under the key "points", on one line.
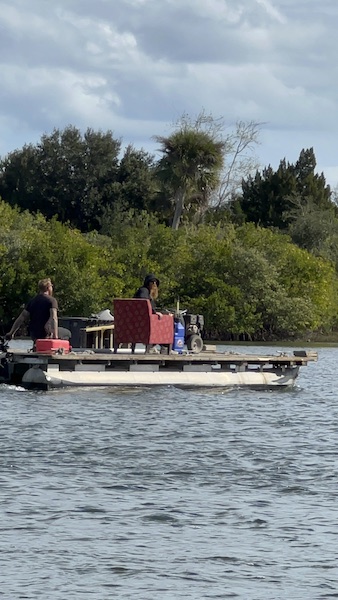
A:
{"points": [[248, 282], [86, 179], [256, 255]]}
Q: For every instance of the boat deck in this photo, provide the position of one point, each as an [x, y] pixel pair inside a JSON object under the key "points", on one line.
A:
{"points": [[224, 359]]}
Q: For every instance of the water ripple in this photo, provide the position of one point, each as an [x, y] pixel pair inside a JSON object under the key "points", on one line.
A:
{"points": [[171, 494]]}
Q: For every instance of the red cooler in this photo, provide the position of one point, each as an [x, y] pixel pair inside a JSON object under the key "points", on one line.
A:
{"points": [[51, 345]]}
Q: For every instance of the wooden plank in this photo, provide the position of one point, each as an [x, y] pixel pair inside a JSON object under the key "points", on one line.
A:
{"points": [[177, 359]]}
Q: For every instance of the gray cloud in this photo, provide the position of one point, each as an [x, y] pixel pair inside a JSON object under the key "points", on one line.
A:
{"points": [[134, 66]]}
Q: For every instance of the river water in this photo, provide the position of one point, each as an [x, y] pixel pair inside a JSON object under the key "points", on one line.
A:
{"points": [[167, 494]]}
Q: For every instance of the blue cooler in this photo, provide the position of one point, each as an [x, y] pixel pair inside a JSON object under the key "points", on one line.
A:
{"points": [[179, 333]]}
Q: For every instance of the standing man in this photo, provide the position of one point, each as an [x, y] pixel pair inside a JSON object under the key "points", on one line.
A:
{"points": [[41, 311]]}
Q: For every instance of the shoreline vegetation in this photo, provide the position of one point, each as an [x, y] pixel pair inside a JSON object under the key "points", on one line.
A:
{"points": [[248, 282]]}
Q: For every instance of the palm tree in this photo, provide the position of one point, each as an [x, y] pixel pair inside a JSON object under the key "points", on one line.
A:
{"points": [[191, 165]]}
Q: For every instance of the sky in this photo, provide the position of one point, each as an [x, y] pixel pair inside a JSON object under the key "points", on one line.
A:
{"points": [[134, 67]]}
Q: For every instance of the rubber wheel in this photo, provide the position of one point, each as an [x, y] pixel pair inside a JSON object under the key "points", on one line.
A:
{"points": [[195, 343]]}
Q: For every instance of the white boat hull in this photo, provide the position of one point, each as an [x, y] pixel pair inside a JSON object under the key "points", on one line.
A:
{"points": [[53, 378]]}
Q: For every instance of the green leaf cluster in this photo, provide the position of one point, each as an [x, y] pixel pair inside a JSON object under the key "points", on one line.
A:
{"points": [[274, 198]]}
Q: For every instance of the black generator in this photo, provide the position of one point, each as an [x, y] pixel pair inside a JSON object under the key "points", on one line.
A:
{"points": [[194, 325]]}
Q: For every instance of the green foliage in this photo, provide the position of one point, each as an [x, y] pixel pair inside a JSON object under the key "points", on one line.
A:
{"points": [[312, 228], [248, 282], [66, 175], [271, 198], [16, 281], [252, 283], [32, 248], [305, 279], [79, 179], [311, 186], [190, 167], [74, 265], [135, 175], [97, 223]]}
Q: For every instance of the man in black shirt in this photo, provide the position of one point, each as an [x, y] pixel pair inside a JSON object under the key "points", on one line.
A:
{"points": [[41, 311]]}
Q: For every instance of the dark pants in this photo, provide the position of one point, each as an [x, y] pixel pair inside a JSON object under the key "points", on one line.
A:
{"points": [[64, 334]]}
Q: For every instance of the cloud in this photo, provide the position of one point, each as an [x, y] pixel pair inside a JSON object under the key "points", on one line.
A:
{"points": [[135, 66], [272, 11]]}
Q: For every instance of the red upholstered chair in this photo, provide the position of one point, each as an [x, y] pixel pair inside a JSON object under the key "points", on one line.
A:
{"points": [[135, 323]]}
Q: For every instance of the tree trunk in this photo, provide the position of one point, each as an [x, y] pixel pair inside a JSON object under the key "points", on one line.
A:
{"points": [[179, 205]]}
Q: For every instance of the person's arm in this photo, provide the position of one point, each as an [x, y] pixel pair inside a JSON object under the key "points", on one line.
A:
{"points": [[23, 316], [51, 326]]}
